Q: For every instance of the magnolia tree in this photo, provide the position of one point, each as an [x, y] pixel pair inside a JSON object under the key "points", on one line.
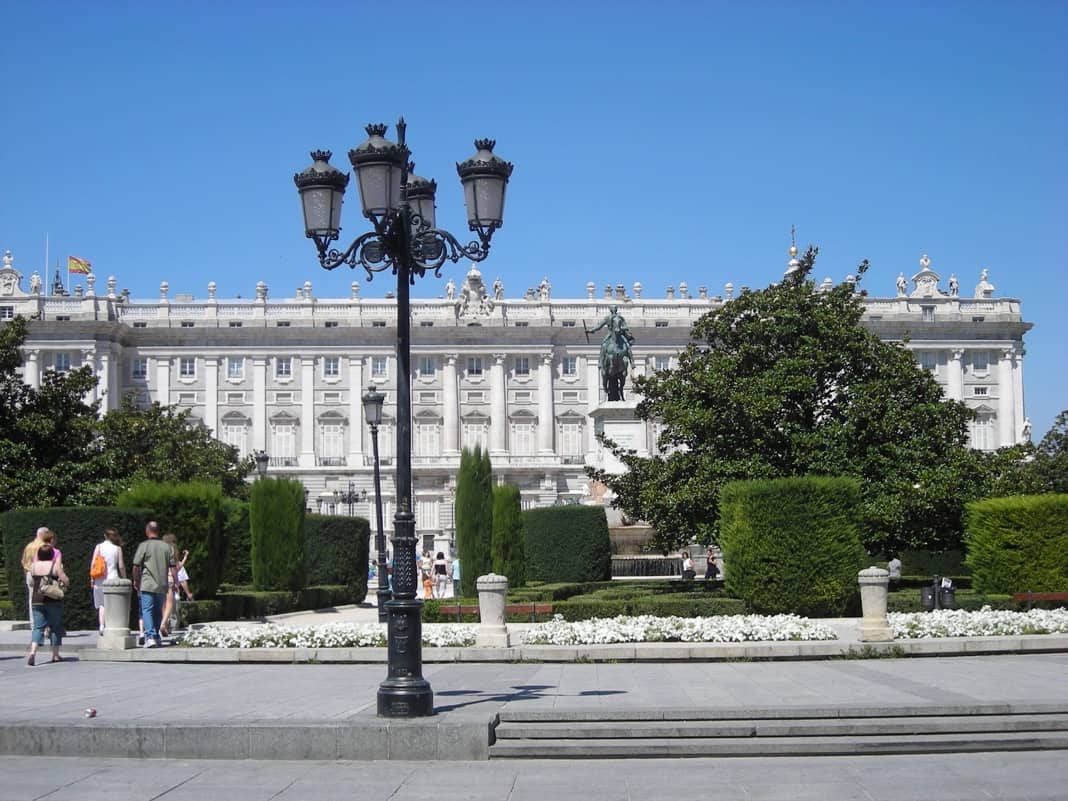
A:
{"points": [[785, 381]]}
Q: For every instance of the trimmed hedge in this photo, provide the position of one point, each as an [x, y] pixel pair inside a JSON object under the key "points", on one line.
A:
{"points": [[1018, 544], [474, 517], [78, 530], [567, 543], [933, 563], [276, 526], [194, 513], [909, 601], [336, 552], [509, 557], [237, 543], [793, 544]]}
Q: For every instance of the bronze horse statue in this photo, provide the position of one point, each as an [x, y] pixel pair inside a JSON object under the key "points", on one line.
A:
{"points": [[616, 356]]}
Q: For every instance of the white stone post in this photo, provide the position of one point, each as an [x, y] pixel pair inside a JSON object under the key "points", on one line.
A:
{"points": [[117, 635], [492, 630], [874, 582]]}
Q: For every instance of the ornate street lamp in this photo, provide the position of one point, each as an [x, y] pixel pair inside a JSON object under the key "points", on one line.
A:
{"points": [[405, 241], [262, 460], [350, 497], [372, 411]]}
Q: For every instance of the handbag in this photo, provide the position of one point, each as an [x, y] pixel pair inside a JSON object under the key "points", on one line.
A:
{"points": [[50, 587], [99, 568]]}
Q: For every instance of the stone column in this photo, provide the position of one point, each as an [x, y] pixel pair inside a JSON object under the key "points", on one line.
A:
{"points": [[492, 630], [498, 406], [955, 374], [874, 582], [546, 418], [1006, 410], [357, 422], [211, 394], [307, 411], [116, 636], [89, 360], [105, 390], [452, 406], [593, 383], [259, 403], [163, 380], [31, 368], [1018, 393]]}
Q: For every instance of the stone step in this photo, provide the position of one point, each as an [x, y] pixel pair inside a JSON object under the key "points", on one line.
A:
{"points": [[799, 727], [776, 746], [526, 713]]}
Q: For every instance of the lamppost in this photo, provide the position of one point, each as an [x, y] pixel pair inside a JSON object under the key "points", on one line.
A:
{"points": [[372, 411], [350, 496], [262, 460], [400, 207]]}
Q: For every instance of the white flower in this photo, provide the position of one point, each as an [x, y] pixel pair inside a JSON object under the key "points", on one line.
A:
{"points": [[646, 628], [984, 623], [328, 635]]}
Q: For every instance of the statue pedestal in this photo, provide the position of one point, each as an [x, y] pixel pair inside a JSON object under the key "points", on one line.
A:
{"points": [[618, 421]]}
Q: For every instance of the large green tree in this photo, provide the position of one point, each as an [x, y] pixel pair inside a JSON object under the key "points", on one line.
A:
{"points": [[474, 517], [56, 449], [785, 381]]}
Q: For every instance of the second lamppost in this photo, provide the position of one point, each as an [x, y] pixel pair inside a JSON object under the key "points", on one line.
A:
{"points": [[372, 411], [400, 207]]}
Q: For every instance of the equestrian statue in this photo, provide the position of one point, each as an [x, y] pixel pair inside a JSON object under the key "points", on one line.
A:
{"points": [[616, 355]]}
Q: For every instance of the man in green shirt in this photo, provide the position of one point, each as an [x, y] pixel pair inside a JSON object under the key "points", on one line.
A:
{"points": [[153, 566]]}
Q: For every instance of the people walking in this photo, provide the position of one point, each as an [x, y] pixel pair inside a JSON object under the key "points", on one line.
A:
{"points": [[153, 564], [687, 566], [178, 583], [110, 550], [29, 554], [441, 575], [456, 577], [47, 608], [711, 568]]}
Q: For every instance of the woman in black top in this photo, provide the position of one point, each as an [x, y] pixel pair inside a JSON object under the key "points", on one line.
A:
{"points": [[441, 575]]}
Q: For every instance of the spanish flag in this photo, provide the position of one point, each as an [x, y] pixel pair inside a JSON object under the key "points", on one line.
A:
{"points": [[76, 265]]}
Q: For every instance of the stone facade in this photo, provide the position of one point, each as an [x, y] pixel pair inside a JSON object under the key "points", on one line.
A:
{"points": [[514, 374]]}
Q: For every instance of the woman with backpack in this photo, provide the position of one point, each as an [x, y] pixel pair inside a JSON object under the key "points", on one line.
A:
{"points": [[107, 563], [49, 585]]}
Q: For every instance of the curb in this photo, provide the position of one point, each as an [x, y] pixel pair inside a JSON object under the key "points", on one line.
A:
{"points": [[637, 652]]}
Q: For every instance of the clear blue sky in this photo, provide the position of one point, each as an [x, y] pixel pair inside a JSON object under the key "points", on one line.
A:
{"points": [[653, 142]]}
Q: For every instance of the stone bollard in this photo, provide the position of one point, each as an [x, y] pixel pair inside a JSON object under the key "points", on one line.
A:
{"points": [[492, 630], [116, 636], [873, 588]]}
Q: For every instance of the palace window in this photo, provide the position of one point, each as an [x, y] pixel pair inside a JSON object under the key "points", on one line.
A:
{"points": [[282, 323], [235, 368], [61, 362], [474, 365], [929, 360], [187, 324], [927, 314], [522, 365], [660, 324], [980, 361], [379, 367], [139, 368], [235, 398], [662, 363], [567, 324], [426, 323], [571, 439], [140, 325], [284, 441], [427, 438], [523, 437], [7, 312], [569, 366], [187, 367], [332, 440], [982, 431], [235, 323], [235, 432], [330, 324], [378, 324], [522, 324], [331, 366], [427, 366], [283, 367], [475, 433]]}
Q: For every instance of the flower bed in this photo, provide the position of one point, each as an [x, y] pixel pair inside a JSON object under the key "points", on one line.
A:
{"points": [[984, 623], [645, 628], [329, 635]]}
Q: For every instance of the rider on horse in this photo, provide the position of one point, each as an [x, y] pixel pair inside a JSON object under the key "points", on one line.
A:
{"points": [[615, 352]]}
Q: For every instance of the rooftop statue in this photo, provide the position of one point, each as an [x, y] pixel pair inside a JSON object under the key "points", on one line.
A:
{"points": [[616, 353]]}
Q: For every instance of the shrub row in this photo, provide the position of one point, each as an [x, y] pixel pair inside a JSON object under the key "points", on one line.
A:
{"points": [[250, 604], [1018, 544], [909, 601], [792, 544], [276, 525], [336, 552], [585, 607], [567, 543]]}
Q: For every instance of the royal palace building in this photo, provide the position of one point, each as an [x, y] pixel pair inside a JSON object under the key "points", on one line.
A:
{"points": [[516, 374]]}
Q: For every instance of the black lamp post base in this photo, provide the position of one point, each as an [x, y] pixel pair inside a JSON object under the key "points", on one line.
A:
{"points": [[405, 693], [410, 699]]}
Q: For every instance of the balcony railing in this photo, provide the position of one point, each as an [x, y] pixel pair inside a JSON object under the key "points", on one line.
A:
{"points": [[283, 461], [330, 461]]}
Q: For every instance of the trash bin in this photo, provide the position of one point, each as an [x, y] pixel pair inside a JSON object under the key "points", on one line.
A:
{"points": [[927, 598], [948, 598]]}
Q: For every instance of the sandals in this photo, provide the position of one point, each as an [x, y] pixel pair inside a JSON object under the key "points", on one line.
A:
{"points": [[57, 659], [30, 660]]}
